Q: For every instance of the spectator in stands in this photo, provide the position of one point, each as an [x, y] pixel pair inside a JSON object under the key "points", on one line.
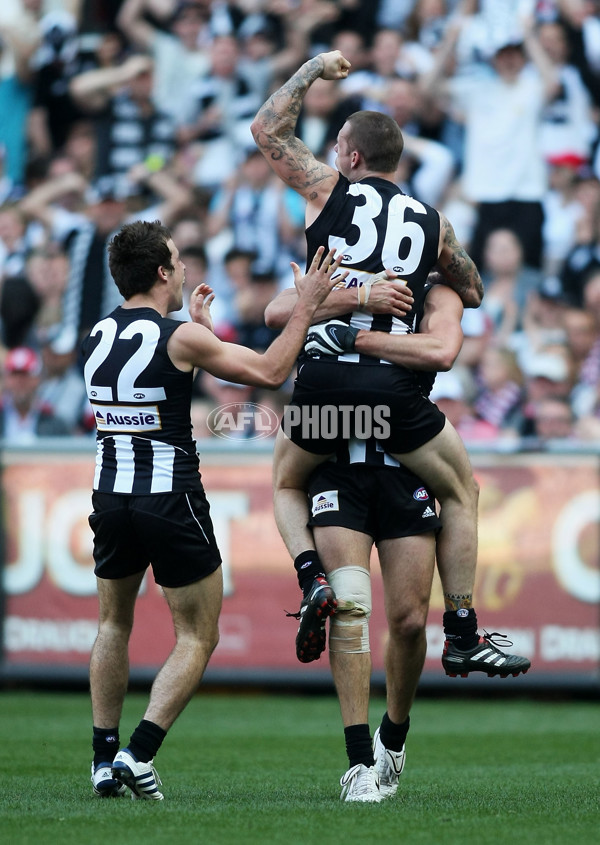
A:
{"points": [[56, 62], [385, 64], [250, 302], [583, 342], [130, 129], [324, 112], [16, 95], [449, 395], [584, 256], [19, 307], [562, 210], [47, 270], [23, 417], [17, 239], [352, 44], [223, 107], [543, 320], [504, 170], [234, 280], [553, 422], [507, 282], [426, 167], [179, 56], [567, 125], [583, 328], [250, 207], [62, 389], [80, 149], [547, 376], [500, 388], [274, 45], [194, 257], [426, 24], [90, 292]]}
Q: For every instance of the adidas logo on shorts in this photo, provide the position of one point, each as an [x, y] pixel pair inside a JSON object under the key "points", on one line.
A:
{"points": [[427, 512]]}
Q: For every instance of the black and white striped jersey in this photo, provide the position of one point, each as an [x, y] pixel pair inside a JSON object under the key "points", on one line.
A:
{"points": [[369, 451], [377, 227], [141, 404]]}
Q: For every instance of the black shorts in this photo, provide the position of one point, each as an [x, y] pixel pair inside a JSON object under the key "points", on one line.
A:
{"points": [[383, 502], [172, 532], [401, 418]]}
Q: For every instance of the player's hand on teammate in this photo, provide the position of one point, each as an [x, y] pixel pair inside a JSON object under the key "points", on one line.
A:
{"points": [[332, 338], [318, 281], [335, 66], [388, 295], [200, 302]]}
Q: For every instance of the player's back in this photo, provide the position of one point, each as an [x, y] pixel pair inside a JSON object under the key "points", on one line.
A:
{"points": [[377, 227]]}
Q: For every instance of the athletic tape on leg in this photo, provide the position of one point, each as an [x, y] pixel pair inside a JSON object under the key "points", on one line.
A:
{"points": [[349, 626]]}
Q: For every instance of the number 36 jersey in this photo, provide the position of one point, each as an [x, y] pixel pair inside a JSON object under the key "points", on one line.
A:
{"points": [[141, 404], [377, 227]]}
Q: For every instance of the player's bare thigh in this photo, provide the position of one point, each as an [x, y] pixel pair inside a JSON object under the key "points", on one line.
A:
{"points": [[292, 465], [443, 463], [339, 547], [195, 608]]}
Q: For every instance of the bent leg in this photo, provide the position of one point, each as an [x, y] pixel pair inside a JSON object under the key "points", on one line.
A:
{"points": [[195, 610], [444, 466], [109, 660], [292, 467]]}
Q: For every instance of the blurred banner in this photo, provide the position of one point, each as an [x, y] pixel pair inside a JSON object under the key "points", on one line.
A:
{"points": [[538, 577]]}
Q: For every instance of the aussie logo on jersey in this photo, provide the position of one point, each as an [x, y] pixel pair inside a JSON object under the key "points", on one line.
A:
{"points": [[326, 501], [127, 418], [421, 495]]}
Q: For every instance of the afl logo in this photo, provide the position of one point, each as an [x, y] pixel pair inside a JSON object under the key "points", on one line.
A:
{"points": [[346, 258], [139, 395], [242, 420], [93, 393], [421, 495], [398, 269]]}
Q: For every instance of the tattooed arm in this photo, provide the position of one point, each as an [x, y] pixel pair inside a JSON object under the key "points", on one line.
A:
{"points": [[458, 269], [274, 128]]}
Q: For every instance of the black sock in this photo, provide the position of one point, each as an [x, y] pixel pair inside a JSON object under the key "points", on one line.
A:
{"points": [[146, 740], [392, 735], [461, 628], [359, 745], [105, 743], [308, 566]]}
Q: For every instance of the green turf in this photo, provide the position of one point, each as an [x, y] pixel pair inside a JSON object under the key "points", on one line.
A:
{"points": [[261, 769]]}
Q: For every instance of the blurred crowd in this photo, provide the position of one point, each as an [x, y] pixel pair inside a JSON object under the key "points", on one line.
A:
{"points": [[112, 110]]}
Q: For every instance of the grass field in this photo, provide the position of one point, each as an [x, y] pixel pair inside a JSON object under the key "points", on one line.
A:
{"points": [[260, 769]]}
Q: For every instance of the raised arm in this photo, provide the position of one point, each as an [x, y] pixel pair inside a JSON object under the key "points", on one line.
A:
{"points": [[457, 267], [174, 195], [38, 202], [274, 130], [547, 70], [131, 20], [434, 83], [93, 89]]}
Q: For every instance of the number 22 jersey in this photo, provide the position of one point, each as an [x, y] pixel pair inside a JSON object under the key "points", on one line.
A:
{"points": [[141, 405]]}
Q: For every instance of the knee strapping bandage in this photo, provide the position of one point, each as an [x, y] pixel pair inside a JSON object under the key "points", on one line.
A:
{"points": [[349, 625]]}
